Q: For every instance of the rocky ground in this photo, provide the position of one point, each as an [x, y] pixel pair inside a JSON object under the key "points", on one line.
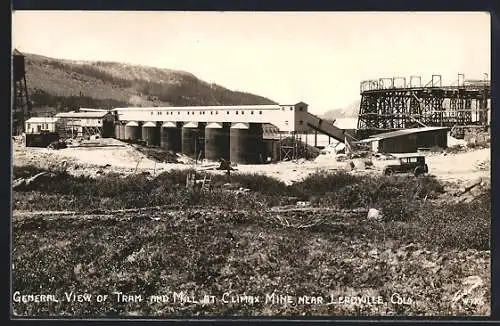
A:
{"points": [[185, 255]]}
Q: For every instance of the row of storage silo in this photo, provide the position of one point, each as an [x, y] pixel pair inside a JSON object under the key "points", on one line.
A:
{"points": [[237, 142]]}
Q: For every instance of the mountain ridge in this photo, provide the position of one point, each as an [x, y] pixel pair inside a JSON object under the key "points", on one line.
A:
{"points": [[65, 84], [350, 111]]}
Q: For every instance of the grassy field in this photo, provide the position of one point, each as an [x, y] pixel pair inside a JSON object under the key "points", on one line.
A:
{"points": [[227, 243]]}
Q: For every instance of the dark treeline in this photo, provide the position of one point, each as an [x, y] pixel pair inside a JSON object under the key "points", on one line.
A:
{"points": [[40, 98]]}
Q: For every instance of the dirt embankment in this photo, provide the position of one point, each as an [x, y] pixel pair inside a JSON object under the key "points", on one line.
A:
{"points": [[107, 156], [115, 156]]}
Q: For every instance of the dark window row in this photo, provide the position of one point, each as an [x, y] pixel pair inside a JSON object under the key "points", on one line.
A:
{"points": [[201, 112]]}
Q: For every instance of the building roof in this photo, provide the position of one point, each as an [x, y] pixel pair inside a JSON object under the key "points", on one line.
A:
{"points": [[366, 140], [17, 53], [132, 124], [190, 124], [42, 120], [199, 107], [149, 124], [239, 125], [88, 115], [214, 125], [297, 104], [169, 124], [403, 132], [92, 110]]}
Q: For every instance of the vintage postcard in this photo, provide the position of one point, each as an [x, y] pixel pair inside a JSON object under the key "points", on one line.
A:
{"points": [[250, 164]]}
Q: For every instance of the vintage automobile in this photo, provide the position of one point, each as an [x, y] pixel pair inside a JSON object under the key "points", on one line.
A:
{"points": [[407, 164]]}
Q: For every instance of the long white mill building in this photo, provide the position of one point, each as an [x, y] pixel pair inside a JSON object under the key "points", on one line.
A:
{"points": [[231, 132]]}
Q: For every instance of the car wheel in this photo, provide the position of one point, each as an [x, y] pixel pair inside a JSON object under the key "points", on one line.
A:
{"points": [[418, 172], [388, 172]]}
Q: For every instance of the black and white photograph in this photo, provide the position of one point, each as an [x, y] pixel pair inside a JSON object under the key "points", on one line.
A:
{"points": [[197, 164]]}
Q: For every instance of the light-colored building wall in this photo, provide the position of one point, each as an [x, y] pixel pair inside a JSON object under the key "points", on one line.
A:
{"points": [[85, 122], [37, 127], [39, 124], [91, 122], [301, 115], [284, 117]]}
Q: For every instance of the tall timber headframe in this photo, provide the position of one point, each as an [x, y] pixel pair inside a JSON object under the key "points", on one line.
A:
{"points": [[397, 103], [21, 105]]}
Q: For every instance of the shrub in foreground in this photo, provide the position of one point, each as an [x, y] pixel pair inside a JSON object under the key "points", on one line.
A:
{"points": [[459, 225], [394, 195], [322, 182]]}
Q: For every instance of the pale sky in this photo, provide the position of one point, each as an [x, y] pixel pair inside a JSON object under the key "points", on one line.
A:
{"points": [[318, 58]]}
